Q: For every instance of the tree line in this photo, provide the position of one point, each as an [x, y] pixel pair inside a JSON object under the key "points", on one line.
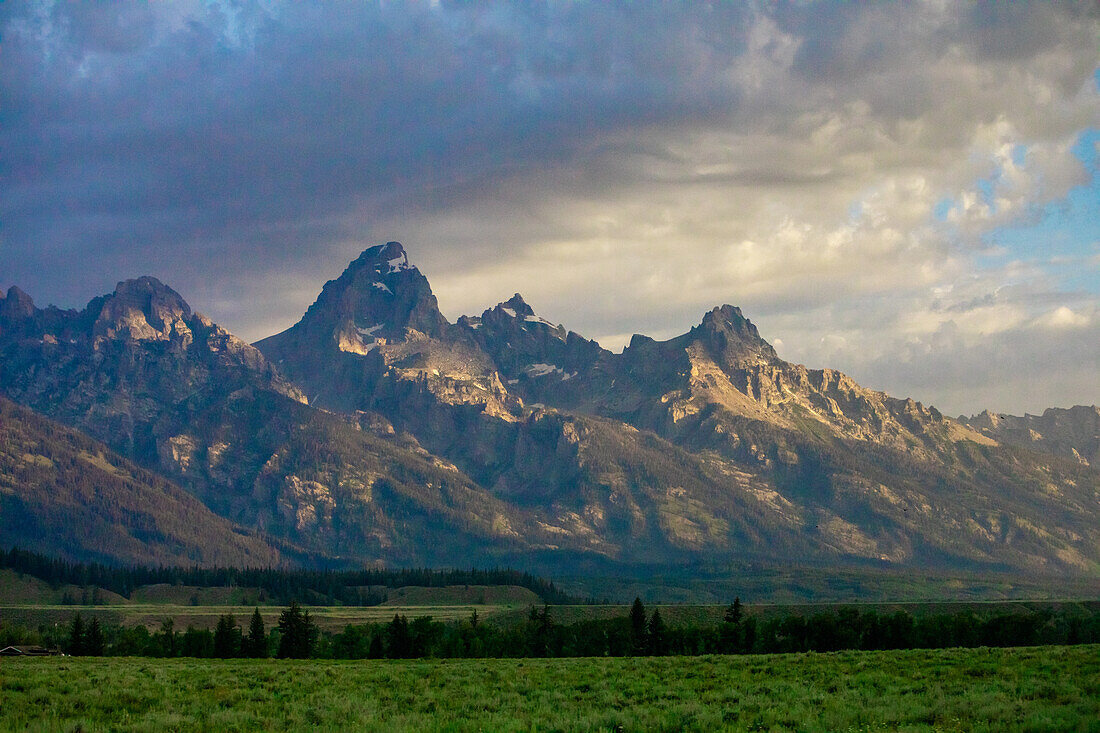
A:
{"points": [[280, 586], [637, 633]]}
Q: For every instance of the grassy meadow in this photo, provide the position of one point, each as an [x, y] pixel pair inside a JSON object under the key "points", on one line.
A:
{"points": [[30, 602], [329, 618], [1021, 689]]}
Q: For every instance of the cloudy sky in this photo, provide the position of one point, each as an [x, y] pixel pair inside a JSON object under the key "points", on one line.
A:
{"points": [[909, 192]]}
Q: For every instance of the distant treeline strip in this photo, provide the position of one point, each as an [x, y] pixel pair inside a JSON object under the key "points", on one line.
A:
{"points": [[309, 587], [636, 634]]}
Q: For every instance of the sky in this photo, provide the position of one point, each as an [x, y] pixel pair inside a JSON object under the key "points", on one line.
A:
{"points": [[908, 192]]}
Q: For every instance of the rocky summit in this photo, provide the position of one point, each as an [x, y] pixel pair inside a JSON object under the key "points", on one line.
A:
{"points": [[375, 430]]}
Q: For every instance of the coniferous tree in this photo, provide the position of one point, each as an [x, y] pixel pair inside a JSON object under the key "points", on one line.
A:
{"points": [[399, 644], [734, 612], [657, 646], [227, 637], [729, 633], [93, 639], [169, 640], [638, 626], [539, 632], [299, 633], [76, 637], [256, 643]]}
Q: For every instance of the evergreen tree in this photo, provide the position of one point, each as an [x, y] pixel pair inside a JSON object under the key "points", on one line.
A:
{"points": [[638, 627], [169, 640], [729, 632], [299, 633], [399, 641], [93, 639], [657, 646], [75, 646], [734, 612], [227, 637], [256, 643], [539, 632]]}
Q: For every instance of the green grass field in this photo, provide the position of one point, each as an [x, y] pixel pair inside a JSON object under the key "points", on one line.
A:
{"points": [[1027, 689], [330, 618], [30, 602]]}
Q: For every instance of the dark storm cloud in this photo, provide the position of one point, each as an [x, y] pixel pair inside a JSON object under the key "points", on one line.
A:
{"points": [[131, 141], [626, 165]]}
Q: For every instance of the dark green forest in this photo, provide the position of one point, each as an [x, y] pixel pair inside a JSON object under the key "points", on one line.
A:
{"points": [[280, 585], [637, 633]]}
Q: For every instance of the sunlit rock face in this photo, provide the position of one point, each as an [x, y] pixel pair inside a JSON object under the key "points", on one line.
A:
{"points": [[376, 323], [374, 430], [689, 445], [135, 369]]}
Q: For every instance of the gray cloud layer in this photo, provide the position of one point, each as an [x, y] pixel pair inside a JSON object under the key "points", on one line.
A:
{"points": [[626, 166]]}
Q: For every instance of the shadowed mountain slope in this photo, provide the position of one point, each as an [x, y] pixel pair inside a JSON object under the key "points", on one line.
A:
{"points": [[505, 436], [766, 453], [1072, 433], [64, 493], [179, 395]]}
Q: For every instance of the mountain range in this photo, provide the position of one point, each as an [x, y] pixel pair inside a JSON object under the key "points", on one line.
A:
{"points": [[375, 431]]}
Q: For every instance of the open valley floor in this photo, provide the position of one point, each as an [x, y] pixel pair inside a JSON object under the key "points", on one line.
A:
{"points": [[1009, 689]]}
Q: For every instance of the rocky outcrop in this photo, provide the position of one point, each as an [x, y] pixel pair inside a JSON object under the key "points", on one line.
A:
{"points": [[1071, 433], [64, 494], [690, 445], [376, 323], [121, 367], [505, 435], [15, 307]]}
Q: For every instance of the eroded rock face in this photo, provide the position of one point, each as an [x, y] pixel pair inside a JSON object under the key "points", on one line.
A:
{"points": [[15, 306], [305, 503], [143, 310], [551, 422], [430, 442], [130, 368], [1071, 433]]}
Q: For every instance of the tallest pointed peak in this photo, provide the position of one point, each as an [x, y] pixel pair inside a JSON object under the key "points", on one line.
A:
{"points": [[383, 258], [379, 288]]}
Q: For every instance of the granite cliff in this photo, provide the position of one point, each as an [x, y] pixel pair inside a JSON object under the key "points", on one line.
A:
{"points": [[375, 430]]}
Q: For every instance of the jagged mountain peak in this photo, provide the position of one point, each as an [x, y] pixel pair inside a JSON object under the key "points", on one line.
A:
{"points": [[17, 305], [143, 308], [382, 257], [515, 323], [516, 309], [517, 305], [732, 338], [378, 290]]}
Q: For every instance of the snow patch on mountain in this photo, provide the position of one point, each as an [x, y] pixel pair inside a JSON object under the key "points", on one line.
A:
{"points": [[541, 370], [370, 331]]}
